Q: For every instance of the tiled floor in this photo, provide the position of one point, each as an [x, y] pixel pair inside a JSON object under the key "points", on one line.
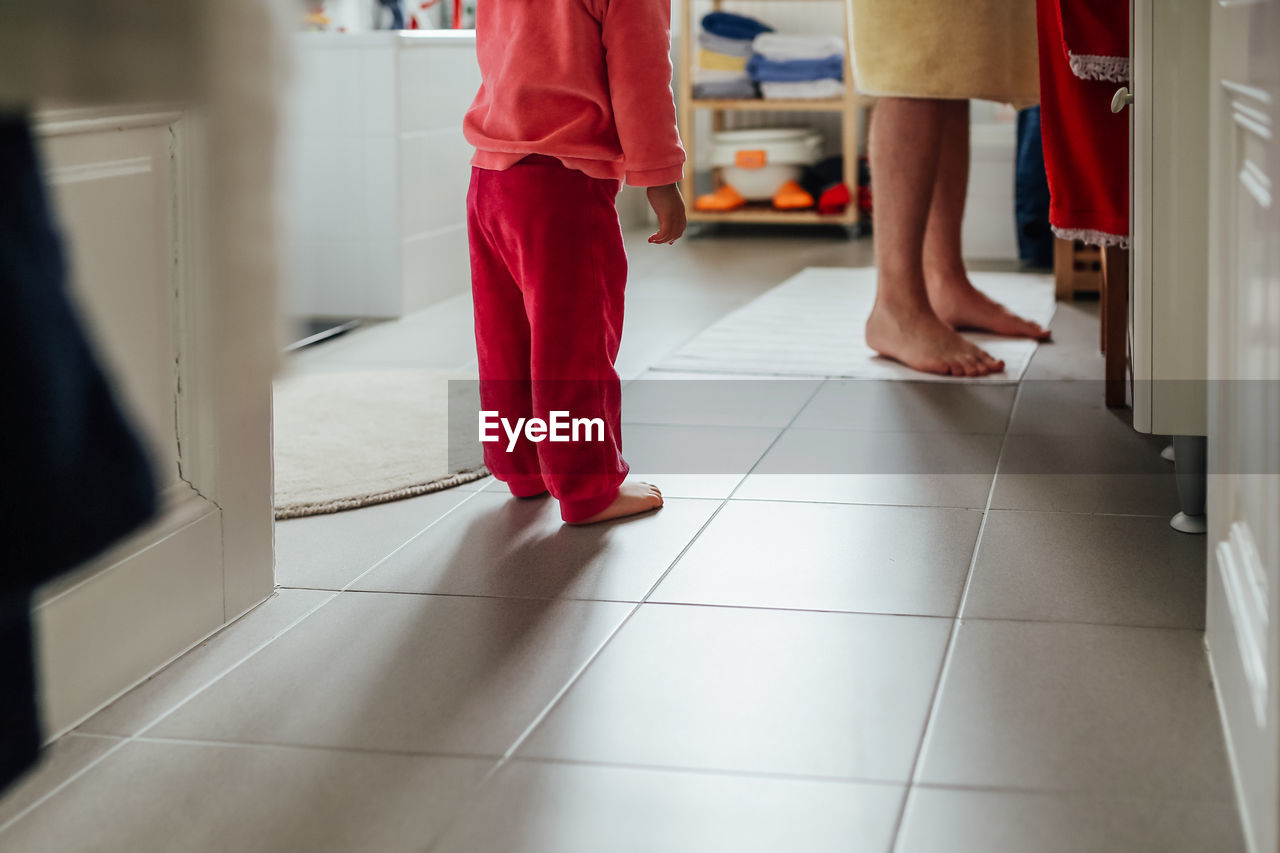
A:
{"points": [[872, 617]]}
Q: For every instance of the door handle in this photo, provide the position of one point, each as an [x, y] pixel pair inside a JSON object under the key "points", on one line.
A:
{"points": [[1122, 99]]}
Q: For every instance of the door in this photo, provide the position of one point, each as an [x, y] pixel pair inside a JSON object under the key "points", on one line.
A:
{"points": [[1244, 394]]}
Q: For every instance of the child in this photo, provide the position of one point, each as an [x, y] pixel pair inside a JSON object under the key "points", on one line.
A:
{"points": [[575, 97]]}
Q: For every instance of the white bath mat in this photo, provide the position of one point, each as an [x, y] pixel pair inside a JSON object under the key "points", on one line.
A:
{"points": [[812, 325], [349, 439]]}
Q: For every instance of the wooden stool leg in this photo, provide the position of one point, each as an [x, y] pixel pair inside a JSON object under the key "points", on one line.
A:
{"points": [[1102, 316], [1115, 322], [1063, 268]]}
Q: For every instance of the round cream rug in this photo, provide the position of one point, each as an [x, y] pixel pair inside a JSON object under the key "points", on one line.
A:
{"points": [[354, 438]]}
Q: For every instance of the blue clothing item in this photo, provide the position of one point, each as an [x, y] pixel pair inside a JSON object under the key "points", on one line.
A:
{"points": [[19, 716], [1031, 194], [795, 70], [731, 26], [75, 476]]}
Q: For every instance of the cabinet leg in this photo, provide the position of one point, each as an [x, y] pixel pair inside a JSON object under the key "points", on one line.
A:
{"points": [[1189, 453]]}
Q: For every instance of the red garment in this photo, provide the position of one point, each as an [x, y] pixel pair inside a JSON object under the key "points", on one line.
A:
{"points": [[1086, 146], [548, 271], [1095, 38], [585, 81]]}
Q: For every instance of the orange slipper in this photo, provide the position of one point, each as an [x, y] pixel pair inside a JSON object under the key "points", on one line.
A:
{"points": [[791, 196], [725, 198]]}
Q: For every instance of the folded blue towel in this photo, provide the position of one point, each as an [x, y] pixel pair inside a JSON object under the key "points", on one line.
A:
{"points": [[795, 70], [731, 26]]}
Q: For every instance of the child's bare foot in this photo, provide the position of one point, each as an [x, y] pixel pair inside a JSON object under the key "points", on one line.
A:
{"points": [[961, 305], [918, 339], [632, 499]]}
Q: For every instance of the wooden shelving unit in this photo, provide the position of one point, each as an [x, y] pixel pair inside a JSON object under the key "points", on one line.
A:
{"points": [[847, 105]]}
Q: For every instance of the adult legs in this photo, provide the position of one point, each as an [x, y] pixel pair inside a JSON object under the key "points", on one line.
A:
{"points": [[954, 298], [907, 136]]}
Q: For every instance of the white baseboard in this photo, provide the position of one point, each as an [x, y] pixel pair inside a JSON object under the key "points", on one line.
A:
{"points": [[115, 622]]}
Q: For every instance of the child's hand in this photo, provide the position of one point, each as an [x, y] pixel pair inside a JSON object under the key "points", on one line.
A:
{"points": [[669, 206]]}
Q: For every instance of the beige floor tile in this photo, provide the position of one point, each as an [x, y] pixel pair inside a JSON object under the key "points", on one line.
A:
{"points": [[145, 703], [1121, 570], [958, 821], [536, 807], [1069, 408], [71, 754], [410, 673], [503, 546], [822, 694], [1064, 362], [1121, 474], [909, 407], [694, 461], [153, 796], [869, 559], [1077, 323], [904, 468], [1085, 708], [329, 551], [1122, 494], [1073, 353], [714, 402]]}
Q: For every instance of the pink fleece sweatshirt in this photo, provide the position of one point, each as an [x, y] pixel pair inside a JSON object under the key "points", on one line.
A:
{"points": [[585, 81]]}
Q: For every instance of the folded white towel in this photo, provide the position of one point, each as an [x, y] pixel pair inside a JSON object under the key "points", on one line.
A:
{"points": [[826, 88], [782, 48], [708, 75]]}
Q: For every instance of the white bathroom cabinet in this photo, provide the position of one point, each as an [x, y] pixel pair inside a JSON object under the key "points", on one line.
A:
{"points": [[376, 171]]}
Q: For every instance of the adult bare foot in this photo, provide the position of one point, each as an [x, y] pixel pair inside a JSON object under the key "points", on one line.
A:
{"points": [[918, 339], [962, 306], [632, 499]]}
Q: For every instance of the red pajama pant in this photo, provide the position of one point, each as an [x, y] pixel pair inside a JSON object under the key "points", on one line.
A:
{"points": [[548, 271]]}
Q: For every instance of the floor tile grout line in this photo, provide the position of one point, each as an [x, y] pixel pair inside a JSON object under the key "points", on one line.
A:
{"points": [[860, 503], [764, 608], [573, 679], [317, 747], [716, 771], [949, 650], [1085, 792], [1080, 792], [141, 733]]}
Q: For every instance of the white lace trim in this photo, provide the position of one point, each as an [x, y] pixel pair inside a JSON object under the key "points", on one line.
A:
{"points": [[1089, 67], [1093, 237]]}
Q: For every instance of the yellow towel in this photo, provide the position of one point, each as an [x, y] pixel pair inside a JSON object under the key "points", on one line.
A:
{"points": [[713, 61], [983, 49]]}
